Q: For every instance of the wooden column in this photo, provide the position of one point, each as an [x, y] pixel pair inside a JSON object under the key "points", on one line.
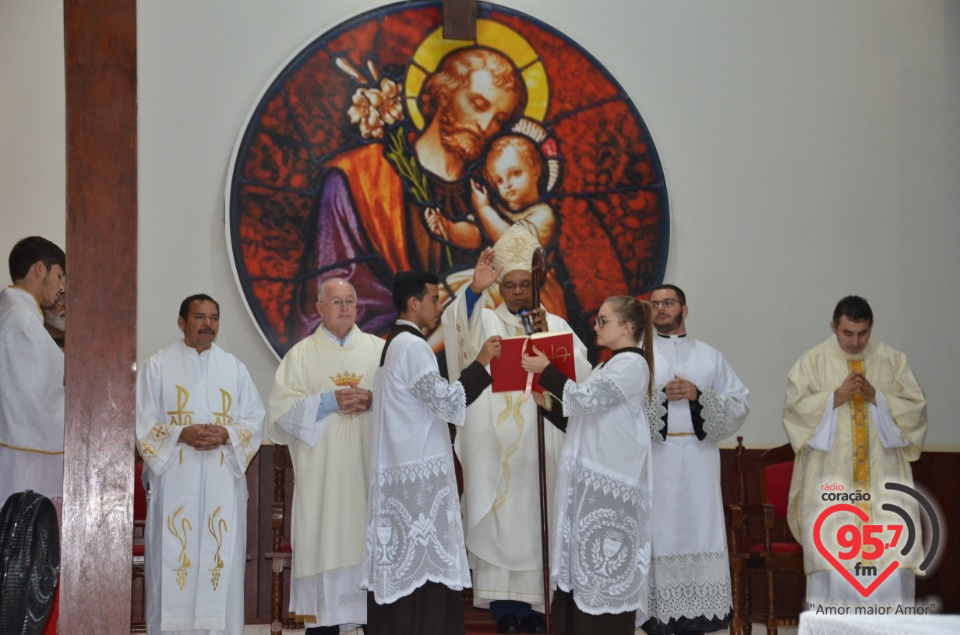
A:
{"points": [[101, 89]]}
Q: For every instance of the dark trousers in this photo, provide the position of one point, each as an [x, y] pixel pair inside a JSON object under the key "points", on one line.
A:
{"points": [[433, 609], [568, 619]]}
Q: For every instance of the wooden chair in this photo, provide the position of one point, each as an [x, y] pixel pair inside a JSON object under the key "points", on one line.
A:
{"points": [[138, 602], [281, 553], [760, 540]]}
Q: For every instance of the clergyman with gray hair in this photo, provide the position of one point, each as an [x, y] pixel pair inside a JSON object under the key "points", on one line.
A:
{"points": [[320, 408]]}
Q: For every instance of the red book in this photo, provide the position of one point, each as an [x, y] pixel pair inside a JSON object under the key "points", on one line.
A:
{"points": [[509, 375]]}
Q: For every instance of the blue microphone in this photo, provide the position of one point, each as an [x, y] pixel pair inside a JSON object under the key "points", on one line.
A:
{"points": [[527, 320]]}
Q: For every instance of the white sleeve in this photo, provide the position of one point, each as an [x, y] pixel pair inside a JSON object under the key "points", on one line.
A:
{"points": [[609, 385], [156, 437], [725, 405], [889, 432], [445, 400], [300, 421], [246, 431], [822, 439]]}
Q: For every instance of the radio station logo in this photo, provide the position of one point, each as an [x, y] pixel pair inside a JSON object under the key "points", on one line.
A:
{"points": [[860, 545]]}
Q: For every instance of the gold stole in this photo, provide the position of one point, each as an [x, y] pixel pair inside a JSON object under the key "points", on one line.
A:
{"points": [[861, 437]]}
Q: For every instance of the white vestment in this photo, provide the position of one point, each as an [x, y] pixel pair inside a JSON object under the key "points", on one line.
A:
{"points": [[195, 535], [497, 448], [31, 400], [331, 463], [692, 572], [414, 531], [601, 550], [824, 438]]}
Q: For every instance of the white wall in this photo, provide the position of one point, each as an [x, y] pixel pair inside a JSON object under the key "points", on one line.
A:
{"points": [[811, 150], [32, 124]]}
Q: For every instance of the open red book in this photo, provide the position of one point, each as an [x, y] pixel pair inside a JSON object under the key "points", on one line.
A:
{"points": [[509, 375]]}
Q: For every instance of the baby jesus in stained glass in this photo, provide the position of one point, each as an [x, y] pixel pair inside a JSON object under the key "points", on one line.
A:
{"points": [[516, 168]]}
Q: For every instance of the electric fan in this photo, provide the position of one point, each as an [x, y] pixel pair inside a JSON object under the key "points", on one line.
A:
{"points": [[29, 563]]}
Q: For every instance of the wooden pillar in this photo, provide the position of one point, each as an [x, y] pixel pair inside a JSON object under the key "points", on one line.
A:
{"points": [[100, 43]]}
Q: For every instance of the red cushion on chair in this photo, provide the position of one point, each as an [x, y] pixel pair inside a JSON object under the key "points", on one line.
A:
{"points": [[139, 494], [138, 550], [778, 547], [286, 548], [778, 478]]}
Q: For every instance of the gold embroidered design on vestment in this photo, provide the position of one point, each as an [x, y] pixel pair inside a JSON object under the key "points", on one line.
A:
{"points": [[183, 559], [181, 416], [344, 379], [510, 412], [223, 417], [861, 440], [216, 527]]}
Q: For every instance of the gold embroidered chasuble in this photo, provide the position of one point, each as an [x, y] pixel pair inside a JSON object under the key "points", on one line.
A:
{"points": [[858, 461]]}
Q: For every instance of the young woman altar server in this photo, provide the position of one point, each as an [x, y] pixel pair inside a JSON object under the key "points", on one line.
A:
{"points": [[600, 548]]}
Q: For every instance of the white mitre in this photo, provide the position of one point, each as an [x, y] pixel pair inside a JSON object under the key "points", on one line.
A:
{"points": [[515, 250]]}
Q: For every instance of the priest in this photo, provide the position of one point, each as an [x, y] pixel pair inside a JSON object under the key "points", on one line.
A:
{"points": [[199, 424], [31, 374], [498, 445], [856, 419], [697, 400], [414, 561], [320, 408]]}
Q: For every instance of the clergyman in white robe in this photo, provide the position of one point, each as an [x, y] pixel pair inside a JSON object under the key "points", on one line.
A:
{"points": [[31, 400], [330, 452], [692, 571], [196, 531]]}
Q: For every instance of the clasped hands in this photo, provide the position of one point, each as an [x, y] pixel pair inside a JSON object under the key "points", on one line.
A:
{"points": [[855, 384], [679, 388], [204, 436], [353, 400]]}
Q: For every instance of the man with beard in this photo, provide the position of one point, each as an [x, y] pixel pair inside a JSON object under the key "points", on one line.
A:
{"points": [[697, 400], [31, 374], [370, 218]]}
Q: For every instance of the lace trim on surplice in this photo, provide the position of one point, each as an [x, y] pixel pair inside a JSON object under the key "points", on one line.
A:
{"points": [[656, 410], [722, 415], [417, 534], [691, 585], [445, 400], [604, 545], [594, 396]]}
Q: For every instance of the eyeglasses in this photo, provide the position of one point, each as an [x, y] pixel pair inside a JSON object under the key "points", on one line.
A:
{"points": [[602, 320], [512, 286], [340, 304], [668, 303]]}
